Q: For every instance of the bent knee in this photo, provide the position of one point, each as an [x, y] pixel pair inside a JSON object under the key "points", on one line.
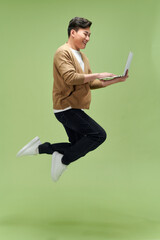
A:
{"points": [[98, 137], [102, 136]]}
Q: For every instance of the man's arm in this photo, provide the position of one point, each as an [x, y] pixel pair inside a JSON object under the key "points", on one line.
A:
{"points": [[105, 83], [67, 70], [93, 76]]}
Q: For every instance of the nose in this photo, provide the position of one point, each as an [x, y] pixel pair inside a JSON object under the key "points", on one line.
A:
{"points": [[87, 38]]}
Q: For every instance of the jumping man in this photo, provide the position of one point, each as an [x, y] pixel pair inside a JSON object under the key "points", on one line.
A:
{"points": [[73, 81]]}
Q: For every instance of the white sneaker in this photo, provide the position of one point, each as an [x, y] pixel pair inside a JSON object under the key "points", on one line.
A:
{"points": [[57, 167], [31, 148]]}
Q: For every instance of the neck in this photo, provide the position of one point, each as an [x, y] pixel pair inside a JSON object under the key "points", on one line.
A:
{"points": [[72, 45]]}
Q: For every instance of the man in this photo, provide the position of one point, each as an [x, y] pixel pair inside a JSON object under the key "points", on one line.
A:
{"points": [[73, 80]]}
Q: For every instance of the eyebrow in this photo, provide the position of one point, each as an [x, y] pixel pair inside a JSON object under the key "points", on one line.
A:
{"points": [[88, 32]]}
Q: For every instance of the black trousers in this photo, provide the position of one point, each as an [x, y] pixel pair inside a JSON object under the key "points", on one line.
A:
{"points": [[83, 132]]}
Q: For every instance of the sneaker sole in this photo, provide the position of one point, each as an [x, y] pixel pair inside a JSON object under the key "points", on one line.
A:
{"points": [[34, 140]]}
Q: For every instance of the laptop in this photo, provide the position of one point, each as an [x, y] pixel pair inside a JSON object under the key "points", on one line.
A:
{"points": [[129, 59]]}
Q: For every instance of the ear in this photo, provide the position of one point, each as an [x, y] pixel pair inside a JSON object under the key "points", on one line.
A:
{"points": [[72, 33]]}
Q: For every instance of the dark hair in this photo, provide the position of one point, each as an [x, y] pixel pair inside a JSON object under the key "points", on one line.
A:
{"points": [[77, 23]]}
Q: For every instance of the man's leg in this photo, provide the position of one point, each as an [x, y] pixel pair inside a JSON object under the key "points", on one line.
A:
{"points": [[84, 134], [49, 148], [92, 134]]}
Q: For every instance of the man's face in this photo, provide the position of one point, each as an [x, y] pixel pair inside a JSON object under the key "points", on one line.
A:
{"points": [[81, 37]]}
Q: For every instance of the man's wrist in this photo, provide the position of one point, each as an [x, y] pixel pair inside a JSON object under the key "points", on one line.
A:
{"points": [[90, 77]]}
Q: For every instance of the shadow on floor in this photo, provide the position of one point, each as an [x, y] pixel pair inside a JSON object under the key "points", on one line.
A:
{"points": [[130, 228]]}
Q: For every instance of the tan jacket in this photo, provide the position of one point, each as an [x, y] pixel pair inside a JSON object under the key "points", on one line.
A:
{"points": [[69, 89]]}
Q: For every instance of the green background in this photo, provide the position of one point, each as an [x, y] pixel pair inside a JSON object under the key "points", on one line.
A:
{"points": [[113, 192]]}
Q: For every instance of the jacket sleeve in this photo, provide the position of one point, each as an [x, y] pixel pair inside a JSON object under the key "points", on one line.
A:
{"points": [[66, 69], [96, 83]]}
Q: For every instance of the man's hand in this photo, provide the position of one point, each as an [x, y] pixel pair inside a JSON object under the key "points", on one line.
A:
{"points": [[106, 83], [105, 75], [93, 76]]}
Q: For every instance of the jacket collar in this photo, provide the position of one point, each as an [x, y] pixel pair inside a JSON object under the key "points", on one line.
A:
{"points": [[83, 58]]}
